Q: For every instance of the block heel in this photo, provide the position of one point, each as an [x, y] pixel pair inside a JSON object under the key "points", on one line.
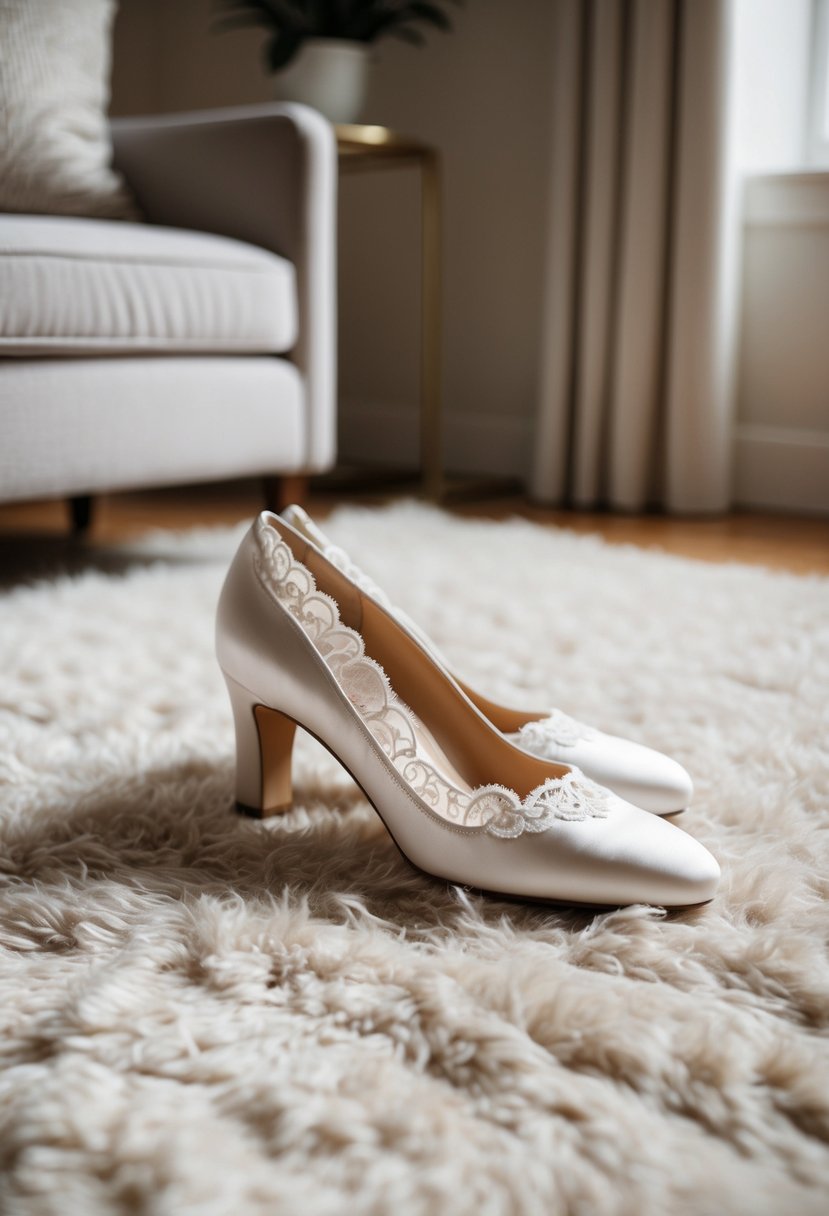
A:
{"points": [[264, 750]]}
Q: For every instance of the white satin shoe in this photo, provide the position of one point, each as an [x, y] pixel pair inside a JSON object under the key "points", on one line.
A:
{"points": [[299, 643], [636, 773]]}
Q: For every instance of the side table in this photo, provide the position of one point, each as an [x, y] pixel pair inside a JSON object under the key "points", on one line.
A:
{"points": [[363, 148]]}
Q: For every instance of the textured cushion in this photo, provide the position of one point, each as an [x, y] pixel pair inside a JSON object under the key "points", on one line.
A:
{"points": [[75, 426], [55, 149], [73, 286]]}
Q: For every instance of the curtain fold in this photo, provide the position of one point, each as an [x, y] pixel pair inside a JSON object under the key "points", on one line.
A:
{"points": [[640, 301]]}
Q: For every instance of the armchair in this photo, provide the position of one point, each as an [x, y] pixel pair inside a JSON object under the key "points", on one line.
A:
{"points": [[197, 346]]}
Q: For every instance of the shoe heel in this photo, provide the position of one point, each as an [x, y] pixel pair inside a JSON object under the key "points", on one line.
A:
{"points": [[264, 747]]}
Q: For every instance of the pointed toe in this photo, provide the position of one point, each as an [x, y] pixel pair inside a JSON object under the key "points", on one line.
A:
{"points": [[680, 870], [639, 774], [664, 786], [699, 874]]}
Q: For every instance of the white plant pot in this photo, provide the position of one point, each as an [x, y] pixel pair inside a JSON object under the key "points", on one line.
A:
{"points": [[330, 74]]}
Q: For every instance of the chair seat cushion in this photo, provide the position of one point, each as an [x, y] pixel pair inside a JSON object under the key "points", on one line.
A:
{"points": [[84, 287]]}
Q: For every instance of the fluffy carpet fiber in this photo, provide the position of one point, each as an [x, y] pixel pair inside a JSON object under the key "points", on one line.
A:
{"points": [[203, 1014]]}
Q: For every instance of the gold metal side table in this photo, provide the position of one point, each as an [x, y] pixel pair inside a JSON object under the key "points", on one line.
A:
{"points": [[363, 148]]}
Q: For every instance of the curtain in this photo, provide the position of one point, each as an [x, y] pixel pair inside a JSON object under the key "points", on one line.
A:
{"points": [[639, 320]]}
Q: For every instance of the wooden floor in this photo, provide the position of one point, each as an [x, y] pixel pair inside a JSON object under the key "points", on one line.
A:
{"points": [[781, 542]]}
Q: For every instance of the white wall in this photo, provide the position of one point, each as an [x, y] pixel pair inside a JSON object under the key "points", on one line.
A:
{"points": [[781, 438], [782, 429], [481, 96]]}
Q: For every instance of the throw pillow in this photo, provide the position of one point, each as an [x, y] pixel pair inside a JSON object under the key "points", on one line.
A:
{"points": [[55, 149]]}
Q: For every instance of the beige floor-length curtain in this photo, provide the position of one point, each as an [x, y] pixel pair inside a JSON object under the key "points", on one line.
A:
{"points": [[639, 320]]}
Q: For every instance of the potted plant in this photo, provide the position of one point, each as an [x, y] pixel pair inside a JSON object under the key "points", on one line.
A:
{"points": [[320, 48]]}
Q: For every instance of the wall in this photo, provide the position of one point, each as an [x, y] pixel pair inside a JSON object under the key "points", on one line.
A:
{"points": [[166, 56], [480, 96], [782, 432], [781, 438]]}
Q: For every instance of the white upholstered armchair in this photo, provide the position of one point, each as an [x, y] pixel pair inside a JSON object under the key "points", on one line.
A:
{"points": [[198, 345]]}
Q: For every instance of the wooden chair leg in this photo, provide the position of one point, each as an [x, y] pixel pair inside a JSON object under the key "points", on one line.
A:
{"points": [[280, 492], [80, 513]]}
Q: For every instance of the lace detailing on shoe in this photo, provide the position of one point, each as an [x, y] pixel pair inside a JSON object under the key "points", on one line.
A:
{"points": [[394, 726], [500, 811], [339, 558], [544, 736]]}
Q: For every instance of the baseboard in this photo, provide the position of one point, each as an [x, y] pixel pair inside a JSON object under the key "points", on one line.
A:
{"points": [[787, 200], [781, 467], [374, 433], [773, 466]]}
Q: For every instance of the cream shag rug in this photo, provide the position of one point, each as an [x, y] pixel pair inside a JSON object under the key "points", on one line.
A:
{"points": [[203, 1014]]}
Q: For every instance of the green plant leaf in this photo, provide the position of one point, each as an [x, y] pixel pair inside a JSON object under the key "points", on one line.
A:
{"points": [[281, 49], [288, 12], [354, 20]]}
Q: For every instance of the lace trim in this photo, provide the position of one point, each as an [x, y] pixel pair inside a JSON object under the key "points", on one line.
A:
{"points": [[544, 736], [339, 558], [496, 809]]}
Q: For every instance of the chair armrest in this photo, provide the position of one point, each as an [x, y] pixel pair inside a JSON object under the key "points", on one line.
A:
{"points": [[263, 174]]}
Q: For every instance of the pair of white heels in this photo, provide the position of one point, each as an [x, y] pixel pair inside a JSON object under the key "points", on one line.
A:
{"points": [[529, 805]]}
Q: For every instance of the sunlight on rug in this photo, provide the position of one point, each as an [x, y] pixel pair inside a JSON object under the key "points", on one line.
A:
{"points": [[204, 1014]]}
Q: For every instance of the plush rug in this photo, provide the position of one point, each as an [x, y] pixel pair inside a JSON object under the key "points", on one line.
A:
{"points": [[205, 1014]]}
